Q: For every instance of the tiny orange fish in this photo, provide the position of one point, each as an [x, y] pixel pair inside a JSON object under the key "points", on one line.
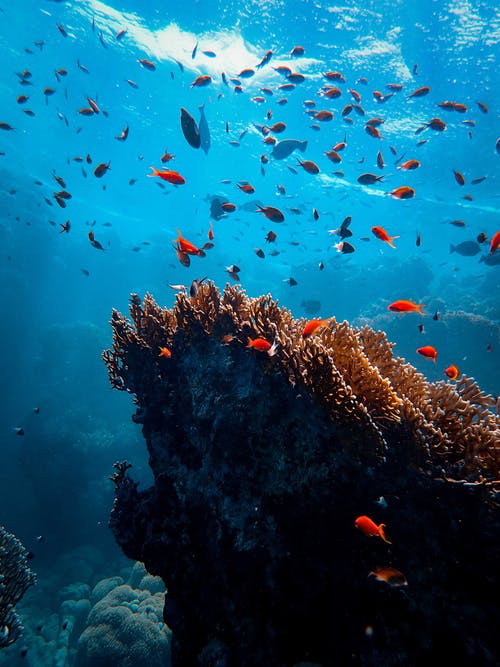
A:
{"points": [[210, 232], [428, 351], [312, 326], [409, 165], [186, 246], [261, 345], [390, 576], [167, 175], [247, 188], [165, 352], [495, 242], [373, 131], [370, 528], [403, 192], [201, 81], [323, 116], [452, 372], [309, 166], [381, 234], [404, 306]]}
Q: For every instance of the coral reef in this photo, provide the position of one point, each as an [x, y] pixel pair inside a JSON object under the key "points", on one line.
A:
{"points": [[125, 626], [15, 578], [261, 464]]}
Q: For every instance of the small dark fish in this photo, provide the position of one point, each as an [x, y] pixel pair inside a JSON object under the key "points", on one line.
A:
{"points": [[265, 59], [321, 266], [482, 107], [271, 237], [195, 286], [82, 67], [459, 177], [259, 252], [421, 328], [476, 181], [315, 214], [466, 249], [369, 179], [93, 242], [19, 430], [419, 240], [291, 281], [344, 247], [101, 169], [85, 272], [123, 135], [210, 54], [62, 30], [193, 52], [65, 227], [436, 316], [132, 83], [147, 64], [481, 238], [6, 126], [457, 223], [101, 39], [190, 129], [24, 652]]}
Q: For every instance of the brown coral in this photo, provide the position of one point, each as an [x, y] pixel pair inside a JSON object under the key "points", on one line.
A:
{"points": [[351, 372]]}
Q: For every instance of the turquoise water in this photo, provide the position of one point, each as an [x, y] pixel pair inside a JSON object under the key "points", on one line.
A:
{"points": [[57, 290]]}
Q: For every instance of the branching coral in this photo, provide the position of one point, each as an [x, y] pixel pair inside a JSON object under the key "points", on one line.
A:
{"points": [[352, 373], [261, 464], [15, 578]]}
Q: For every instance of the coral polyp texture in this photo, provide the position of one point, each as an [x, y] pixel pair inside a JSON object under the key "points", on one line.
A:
{"points": [[261, 464], [15, 578]]}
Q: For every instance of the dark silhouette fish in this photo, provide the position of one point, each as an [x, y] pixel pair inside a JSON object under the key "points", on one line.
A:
{"points": [[204, 130], [491, 260], [283, 149], [467, 248], [190, 129]]}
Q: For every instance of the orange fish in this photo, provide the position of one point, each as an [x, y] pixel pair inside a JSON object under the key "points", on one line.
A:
{"points": [[369, 528], [166, 157], [403, 192], [272, 213], [373, 131], [167, 175], [381, 234], [452, 372], [323, 116], [261, 345], [186, 246], [183, 257], [428, 351], [459, 177], [409, 164], [312, 326], [201, 81], [390, 576], [495, 242], [147, 64], [210, 232], [165, 352], [228, 207], [247, 188], [404, 306], [309, 166]]}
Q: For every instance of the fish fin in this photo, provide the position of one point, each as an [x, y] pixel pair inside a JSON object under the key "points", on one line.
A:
{"points": [[391, 239], [249, 341], [272, 350], [452, 248], [381, 532], [419, 308], [155, 172]]}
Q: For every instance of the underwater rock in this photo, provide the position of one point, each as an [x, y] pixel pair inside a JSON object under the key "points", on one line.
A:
{"points": [[261, 465]]}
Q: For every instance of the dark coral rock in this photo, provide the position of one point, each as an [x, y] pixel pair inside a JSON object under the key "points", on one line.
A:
{"points": [[250, 521]]}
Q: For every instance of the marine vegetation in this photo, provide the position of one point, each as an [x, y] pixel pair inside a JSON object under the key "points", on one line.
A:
{"points": [[15, 578], [262, 462]]}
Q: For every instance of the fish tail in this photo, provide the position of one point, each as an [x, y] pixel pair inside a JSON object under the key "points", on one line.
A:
{"points": [[391, 239], [155, 172], [381, 532], [452, 248], [303, 146], [419, 308], [249, 342], [272, 350]]}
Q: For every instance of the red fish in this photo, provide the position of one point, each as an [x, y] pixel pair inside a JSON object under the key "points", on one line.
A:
{"points": [[167, 175], [495, 242], [261, 345], [381, 234], [247, 188], [147, 64], [428, 351], [228, 207], [186, 246], [452, 372], [271, 213], [210, 232], [409, 165], [101, 169], [165, 352], [404, 306], [201, 81], [403, 192], [370, 528], [390, 576], [373, 131], [459, 177], [312, 326], [309, 166]]}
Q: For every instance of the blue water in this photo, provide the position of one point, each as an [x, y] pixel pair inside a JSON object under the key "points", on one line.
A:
{"points": [[53, 480]]}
